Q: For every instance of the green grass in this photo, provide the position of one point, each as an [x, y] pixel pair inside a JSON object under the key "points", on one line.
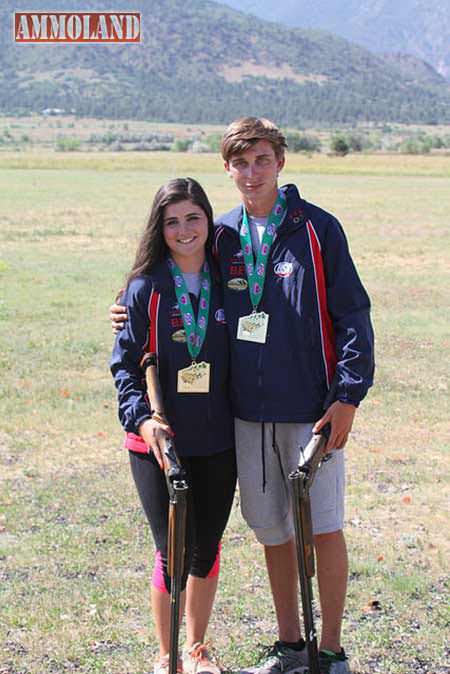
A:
{"points": [[75, 552]]}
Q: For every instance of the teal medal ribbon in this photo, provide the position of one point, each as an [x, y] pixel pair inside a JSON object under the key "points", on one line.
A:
{"points": [[256, 272], [195, 330]]}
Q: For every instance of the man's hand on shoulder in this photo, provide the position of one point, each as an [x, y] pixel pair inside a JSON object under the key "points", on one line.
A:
{"points": [[118, 314], [340, 416]]}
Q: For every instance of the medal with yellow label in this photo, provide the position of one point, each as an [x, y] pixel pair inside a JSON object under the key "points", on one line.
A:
{"points": [[195, 378], [253, 328]]}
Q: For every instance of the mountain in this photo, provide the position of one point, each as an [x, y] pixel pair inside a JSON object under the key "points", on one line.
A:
{"points": [[420, 28], [201, 62]]}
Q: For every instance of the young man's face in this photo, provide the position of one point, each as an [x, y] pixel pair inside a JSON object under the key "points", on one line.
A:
{"points": [[255, 171]]}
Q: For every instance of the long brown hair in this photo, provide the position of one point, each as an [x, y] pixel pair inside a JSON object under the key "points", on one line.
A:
{"points": [[152, 248]]}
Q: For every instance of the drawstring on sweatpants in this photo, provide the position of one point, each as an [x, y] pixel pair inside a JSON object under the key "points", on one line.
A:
{"points": [[263, 458]]}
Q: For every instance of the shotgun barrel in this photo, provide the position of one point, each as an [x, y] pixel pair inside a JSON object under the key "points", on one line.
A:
{"points": [[177, 488], [301, 480]]}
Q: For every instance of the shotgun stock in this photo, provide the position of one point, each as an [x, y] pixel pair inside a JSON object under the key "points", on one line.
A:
{"points": [[177, 488], [301, 480]]}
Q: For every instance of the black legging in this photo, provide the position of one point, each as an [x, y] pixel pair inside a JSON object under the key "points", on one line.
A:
{"points": [[212, 482]]}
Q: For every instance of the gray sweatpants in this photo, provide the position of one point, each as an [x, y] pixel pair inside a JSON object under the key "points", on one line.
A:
{"points": [[267, 508]]}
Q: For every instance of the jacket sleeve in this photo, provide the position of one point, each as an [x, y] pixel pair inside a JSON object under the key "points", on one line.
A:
{"points": [[129, 347], [349, 308]]}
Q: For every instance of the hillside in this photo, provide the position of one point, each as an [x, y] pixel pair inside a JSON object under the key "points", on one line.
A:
{"points": [[204, 62], [420, 28]]}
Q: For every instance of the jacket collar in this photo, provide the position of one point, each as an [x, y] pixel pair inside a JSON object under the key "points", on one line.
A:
{"points": [[294, 219]]}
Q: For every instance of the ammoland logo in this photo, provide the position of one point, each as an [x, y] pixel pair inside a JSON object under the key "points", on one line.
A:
{"points": [[78, 27]]}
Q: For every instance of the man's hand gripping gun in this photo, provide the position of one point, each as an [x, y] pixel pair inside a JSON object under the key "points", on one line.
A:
{"points": [[177, 487], [301, 480]]}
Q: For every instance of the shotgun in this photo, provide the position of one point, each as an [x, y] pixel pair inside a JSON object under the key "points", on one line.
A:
{"points": [[177, 487], [301, 480]]}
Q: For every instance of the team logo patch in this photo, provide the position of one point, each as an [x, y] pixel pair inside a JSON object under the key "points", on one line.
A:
{"points": [[283, 269], [237, 284], [220, 316], [179, 336]]}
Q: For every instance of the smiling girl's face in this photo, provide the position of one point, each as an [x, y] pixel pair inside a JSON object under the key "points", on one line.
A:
{"points": [[185, 231]]}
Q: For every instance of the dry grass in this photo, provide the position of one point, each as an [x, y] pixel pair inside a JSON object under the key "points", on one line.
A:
{"points": [[75, 555]]}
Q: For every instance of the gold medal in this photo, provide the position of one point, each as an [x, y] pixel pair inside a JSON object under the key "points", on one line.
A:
{"points": [[253, 328], [194, 379]]}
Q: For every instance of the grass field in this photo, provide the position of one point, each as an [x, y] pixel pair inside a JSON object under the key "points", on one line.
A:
{"points": [[75, 553]]}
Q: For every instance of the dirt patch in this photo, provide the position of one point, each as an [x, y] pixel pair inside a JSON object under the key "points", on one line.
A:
{"points": [[283, 72]]}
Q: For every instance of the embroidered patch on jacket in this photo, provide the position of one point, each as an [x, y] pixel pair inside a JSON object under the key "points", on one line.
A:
{"points": [[220, 316], [237, 266], [175, 317], [283, 269], [237, 284], [179, 336]]}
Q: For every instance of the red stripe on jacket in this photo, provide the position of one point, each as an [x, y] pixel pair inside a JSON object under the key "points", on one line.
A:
{"points": [[325, 322], [133, 441]]}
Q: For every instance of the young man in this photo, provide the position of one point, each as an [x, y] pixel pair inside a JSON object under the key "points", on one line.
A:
{"points": [[311, 362], [302, 356]]}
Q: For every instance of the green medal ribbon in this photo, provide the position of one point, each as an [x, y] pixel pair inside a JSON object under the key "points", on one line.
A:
{"points": [[256, 273], [195, 331]]}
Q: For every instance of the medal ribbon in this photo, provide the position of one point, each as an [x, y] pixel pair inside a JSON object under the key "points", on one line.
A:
{"points": [[195, 331], [256, 273]]}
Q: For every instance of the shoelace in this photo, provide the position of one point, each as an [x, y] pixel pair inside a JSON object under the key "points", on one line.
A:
{"points": [[198, 652], [271, 652]]}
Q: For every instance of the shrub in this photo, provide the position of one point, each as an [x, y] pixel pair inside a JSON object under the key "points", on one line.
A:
{"points": [[198, 146], [437, 142], [339, 146], [213, 142], [68, 144], [355, 143], [108, 138], [415, 146], [181, 145], [302, 143]]}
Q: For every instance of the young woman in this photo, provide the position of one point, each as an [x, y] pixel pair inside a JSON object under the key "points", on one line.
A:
{"points": [[174, 305]]}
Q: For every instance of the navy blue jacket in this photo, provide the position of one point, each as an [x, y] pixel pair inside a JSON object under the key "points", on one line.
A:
{"points": [[202, 423], [319, 345]]}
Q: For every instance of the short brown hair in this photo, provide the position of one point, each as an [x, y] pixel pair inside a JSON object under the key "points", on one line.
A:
{"points": [[245, 132]]}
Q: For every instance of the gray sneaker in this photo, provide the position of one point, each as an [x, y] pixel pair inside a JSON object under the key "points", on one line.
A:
{"points": [[333, 663], [279, 659]]}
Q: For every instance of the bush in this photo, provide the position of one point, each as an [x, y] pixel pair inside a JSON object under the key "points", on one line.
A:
{"points": [[437, 142], [355, 143], [181, 145], [415, 146], [108, 138], [68, 144], [339, 146], [213, 142], [302, 143], [198, 146]]}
